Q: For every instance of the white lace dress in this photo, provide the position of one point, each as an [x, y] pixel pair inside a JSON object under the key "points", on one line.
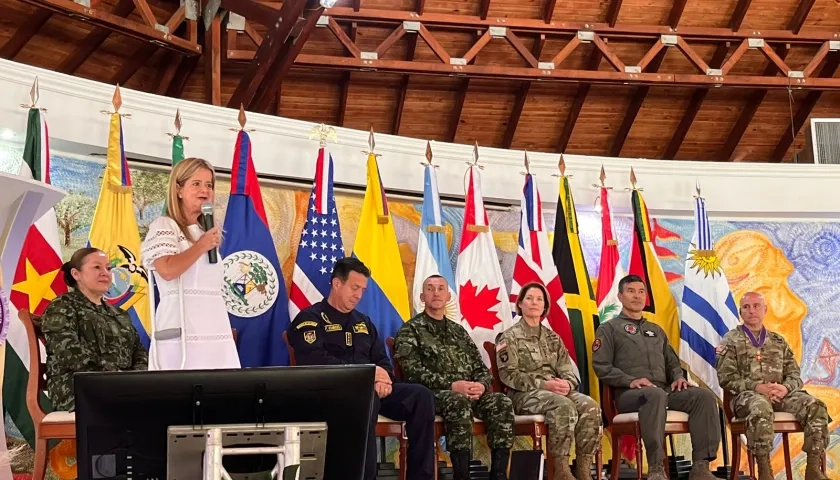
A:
{"points": [[209, 342]]}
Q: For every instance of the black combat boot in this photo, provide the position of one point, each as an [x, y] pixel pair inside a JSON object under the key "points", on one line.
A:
{"points": [[499, 459], [460, 464]]}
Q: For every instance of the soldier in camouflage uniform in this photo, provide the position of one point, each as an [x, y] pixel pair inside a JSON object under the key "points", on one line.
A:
{"points": [[633, 355], [83, 332], [534, 364], [439, 353], [757, 367]]}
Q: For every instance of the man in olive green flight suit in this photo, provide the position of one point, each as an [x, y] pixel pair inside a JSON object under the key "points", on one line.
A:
{"points": [[439, 354], [634, 356], [757, 367]]}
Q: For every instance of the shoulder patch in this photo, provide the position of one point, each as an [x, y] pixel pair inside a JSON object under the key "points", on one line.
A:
{"points": [[720, 349], [307, 323], [631, 329], [501, 346], [309, 336], [596, 345], [504, 357]]}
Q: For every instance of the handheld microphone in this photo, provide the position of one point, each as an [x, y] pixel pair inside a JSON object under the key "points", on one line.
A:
{"points": [[207, 223]]}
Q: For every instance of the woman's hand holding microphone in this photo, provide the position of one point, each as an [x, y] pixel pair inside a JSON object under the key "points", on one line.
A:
{"points": [[210, 239]]}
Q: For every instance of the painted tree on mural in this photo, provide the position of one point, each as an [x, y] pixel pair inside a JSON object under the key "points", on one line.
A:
{"points": [[73, 212], [148, 188]]}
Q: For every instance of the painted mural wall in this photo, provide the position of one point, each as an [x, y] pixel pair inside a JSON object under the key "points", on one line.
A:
{"points": [[795, 264]]}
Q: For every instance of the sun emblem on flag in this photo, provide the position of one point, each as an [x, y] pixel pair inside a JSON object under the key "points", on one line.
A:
{"points": [[250, 284], [706, 261]]}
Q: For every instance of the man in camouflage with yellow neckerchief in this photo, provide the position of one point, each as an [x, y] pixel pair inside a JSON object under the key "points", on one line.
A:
{"points": [[758, 368]]}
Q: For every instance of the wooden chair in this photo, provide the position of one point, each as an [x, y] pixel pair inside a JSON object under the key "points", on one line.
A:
{"points": [[783, 423], [532, 425], [385, 427], [628, 424], [48, 426]]}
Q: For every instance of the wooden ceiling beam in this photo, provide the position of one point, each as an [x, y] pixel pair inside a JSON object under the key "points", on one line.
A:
{"points": [[421, 7], [593, 63], [92, 41], [676, 13], [483, 9], [633, 109], [133, 63], [755, 99], [167, 75], [798, 19], [367, 16], [521, 98], [461, 96], [288, 54], [213, 62], [118, 24], [269, 50], [403, 91], [739, 14], [550, 6], [612, 12], [24, 34], [804, 110], [345, 81]]}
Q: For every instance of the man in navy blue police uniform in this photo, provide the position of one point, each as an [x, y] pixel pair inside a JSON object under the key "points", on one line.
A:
{"points": [[332, 332]]}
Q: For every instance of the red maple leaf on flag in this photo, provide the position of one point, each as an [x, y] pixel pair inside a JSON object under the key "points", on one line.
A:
{"points": [[476, 304]]}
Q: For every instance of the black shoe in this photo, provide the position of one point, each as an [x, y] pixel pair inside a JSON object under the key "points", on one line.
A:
{"points": [[460, 464], [499, 459]]}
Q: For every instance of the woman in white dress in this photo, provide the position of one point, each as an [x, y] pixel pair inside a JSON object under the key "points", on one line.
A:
{"points": [[176, 248]]}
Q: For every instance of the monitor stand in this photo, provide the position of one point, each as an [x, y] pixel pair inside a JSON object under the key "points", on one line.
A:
{"points": [[197, 451]]}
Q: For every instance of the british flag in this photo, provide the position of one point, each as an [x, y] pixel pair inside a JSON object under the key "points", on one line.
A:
{"points": [[320, 242]]}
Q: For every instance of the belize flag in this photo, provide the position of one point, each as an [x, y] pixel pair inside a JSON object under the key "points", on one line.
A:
{"points": [[254, 288]]}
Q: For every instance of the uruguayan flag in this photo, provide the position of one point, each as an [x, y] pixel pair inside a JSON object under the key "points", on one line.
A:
{"points": [[432, 252], [708, 310]]}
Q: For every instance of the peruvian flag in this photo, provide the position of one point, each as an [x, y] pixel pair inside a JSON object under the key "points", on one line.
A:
{"points": [[482, 297], [534, 263], [609, 271]]}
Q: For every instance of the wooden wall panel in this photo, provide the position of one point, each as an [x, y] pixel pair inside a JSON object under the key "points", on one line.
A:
{"points": [[486, 112], [706, 13], [598, 119], [371, 101], [543, 117], [311, 96], [429, 102], [656, 122], [55, 39], [456, 7], [407, 5], [712, 125], [645, 12], [775, 14], [507, 8], [824, 16], [107, 60], [580, 11], [771, 120]]}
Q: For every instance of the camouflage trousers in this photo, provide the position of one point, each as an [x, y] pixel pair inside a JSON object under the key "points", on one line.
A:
{"points": [[573, 416], [809, 411], [494, 409]]}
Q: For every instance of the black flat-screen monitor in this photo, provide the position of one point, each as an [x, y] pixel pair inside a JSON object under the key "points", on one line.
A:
{"points": [[125, 415]]}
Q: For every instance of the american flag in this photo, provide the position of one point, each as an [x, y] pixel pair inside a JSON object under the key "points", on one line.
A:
{"points": [[320, 242]]}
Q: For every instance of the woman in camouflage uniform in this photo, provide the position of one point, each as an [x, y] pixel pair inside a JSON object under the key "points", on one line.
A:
{"points": [[83, 332], [535, 365]]}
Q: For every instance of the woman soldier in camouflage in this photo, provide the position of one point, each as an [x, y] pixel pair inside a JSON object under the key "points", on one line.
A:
{"points": [[83, 332], [534, 364]]}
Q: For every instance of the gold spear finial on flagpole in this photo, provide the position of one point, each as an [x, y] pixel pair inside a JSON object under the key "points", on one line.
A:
{"points": [[633, 180], [34, 96], [243, 120], [323, 133], [371, 145], [178, 125], [116, 102], [429, 156], [561, 166], [527, 164], [474, 162], [603, 178]]}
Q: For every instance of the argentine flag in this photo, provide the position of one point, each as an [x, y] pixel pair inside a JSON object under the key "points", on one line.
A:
{"points": [[432, 253], [708, 310]]}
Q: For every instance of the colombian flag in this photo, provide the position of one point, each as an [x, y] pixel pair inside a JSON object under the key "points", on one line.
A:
{"points": [[661, 307], [386, 299], [114, 231]]}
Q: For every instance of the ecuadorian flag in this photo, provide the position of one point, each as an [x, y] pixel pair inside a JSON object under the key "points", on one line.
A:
{"points": [[386, 299], [114, 231]]}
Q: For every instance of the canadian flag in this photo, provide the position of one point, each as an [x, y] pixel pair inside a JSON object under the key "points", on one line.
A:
{"points": [[482, 296], [534, 263]]}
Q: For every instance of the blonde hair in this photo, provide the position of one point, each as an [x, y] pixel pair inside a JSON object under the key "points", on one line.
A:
{"points": [[182, 171]]}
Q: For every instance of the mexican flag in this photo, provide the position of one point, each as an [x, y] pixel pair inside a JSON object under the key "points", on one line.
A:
{"points": [[37, 281]]}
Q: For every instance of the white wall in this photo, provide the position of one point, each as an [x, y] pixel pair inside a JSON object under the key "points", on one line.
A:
{"points": [[281, 147]]}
